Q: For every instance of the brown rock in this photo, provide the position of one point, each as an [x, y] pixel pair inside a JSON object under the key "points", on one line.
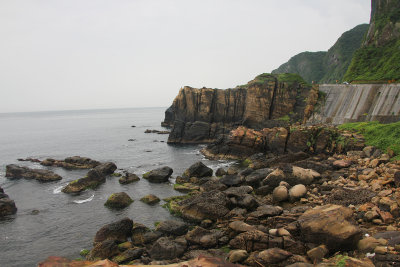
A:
{"points": [[317, 254], [330, 225], [250, 241], [13, 171]]}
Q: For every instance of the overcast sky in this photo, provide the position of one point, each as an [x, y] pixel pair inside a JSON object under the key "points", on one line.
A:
{"points": [[86, 54]]}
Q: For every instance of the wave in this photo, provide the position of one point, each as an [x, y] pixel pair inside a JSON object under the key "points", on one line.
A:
{"points": [[58, 189], [84, 200]]}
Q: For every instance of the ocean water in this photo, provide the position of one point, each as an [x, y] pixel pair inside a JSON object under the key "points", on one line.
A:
{"points": [[66, 224]]}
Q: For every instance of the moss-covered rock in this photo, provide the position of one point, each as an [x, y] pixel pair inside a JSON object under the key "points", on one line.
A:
{"points": [[93, 179], [118, 201], [150, 199]]}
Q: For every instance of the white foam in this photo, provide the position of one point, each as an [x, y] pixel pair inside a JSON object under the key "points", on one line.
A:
{"points": [[58, 189], [84, 200]]}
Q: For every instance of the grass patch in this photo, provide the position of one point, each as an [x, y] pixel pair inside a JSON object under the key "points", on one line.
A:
{"points": [[382, 136]]}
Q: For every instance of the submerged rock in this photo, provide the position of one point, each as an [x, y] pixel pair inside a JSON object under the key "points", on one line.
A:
{"points": [[159, 175], [118, 201], [150, 199], [128, 178], [14, 171]]}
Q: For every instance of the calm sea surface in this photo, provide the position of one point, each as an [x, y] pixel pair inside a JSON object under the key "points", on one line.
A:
{"points": [[66, 224]]}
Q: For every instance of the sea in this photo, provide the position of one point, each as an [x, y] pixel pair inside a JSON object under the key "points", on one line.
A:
{"points": [[51, 223]]}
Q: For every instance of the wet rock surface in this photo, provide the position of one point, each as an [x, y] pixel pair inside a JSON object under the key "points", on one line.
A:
{"points": [[14, 172], [7, 205]]}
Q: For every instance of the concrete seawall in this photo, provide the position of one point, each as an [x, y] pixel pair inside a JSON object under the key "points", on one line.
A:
{"points": [[358, 102]]}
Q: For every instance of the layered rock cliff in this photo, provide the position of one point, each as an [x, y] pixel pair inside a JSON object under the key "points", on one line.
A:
{"points": [[358, 102], [201, 115]]}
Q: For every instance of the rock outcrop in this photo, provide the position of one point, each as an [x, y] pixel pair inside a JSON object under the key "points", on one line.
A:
{"points": [[14, 172], [201, 115], [7, 205], [75, 162], [244, 142]]}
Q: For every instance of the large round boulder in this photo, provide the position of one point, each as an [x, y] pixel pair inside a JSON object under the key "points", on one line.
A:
{"points": [[159, 175], [118, 201]]}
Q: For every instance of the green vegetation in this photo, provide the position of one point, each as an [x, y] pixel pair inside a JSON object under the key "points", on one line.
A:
{"points": [[382, 136], [225, 249], [84, 252], [341, 260], [285, 118], [326, 67], [378, 59], [376, 63], [291, 79]]}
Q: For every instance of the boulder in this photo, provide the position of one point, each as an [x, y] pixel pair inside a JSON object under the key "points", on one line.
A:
{"points": [[14, 171], [238, 191], [239, 226], [296, 192], [265, 211], [280, 194], [369, 243], [207, 205], [255, 177], [150, 199], [292, 175], [230, 180], [172, 227], [198, 170], [303, 176], [128, 255], [7, 206], [272, 256], [330, 225], [159, 175], [237, 255], [92, 180], [128, 178], [106, 168], [339, 164], [103, 250], [166, 248], [318, 253], [118, 201], [250, 241], [118, 231], [220, 172], [203, 237]]}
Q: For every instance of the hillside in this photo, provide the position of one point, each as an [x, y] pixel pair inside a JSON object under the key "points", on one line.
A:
{"points": [[378, 58], [326, 67]]}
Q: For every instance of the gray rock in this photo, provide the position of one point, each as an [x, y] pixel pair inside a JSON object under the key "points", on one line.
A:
{"points": [[198, 170], [172, 227], [231, 180], [159, 175], [166, 248]]}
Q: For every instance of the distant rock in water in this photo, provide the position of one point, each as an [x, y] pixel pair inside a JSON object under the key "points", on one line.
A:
{"points": [[201, 115], [7, 205], [14, 172], [75, 162], [156, 131]]}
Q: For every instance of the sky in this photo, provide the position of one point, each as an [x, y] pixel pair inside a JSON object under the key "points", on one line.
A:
{"points": [[93, 54]]}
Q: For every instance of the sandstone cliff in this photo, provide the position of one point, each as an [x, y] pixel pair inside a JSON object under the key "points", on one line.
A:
{"points": [[201, 115]]}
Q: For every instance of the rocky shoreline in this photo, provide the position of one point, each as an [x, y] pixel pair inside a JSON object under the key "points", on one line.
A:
{"points": [[320, 209]]}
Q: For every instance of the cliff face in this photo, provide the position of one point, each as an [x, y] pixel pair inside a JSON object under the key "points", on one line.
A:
{"points": [[326, 67], [201, 115], [359, 102], [379, 56]]}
